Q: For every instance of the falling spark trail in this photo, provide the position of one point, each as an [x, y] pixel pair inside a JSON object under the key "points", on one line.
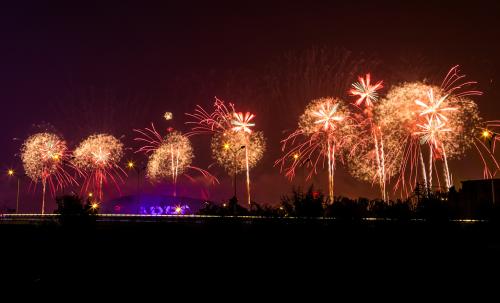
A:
{"points": [[446, 169], [44, 186], [429, 177], [424, 173], [248, 176]]}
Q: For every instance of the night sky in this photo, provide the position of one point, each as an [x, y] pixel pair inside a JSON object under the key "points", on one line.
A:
{"points": [[106, 66]]}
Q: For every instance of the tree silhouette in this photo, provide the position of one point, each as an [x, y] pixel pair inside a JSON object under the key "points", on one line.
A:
{"points": [[309, 204], [72, 211]]}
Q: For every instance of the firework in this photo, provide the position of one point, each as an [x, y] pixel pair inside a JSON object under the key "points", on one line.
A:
{"points": [[326, 132], [237, 152], [218, 121], [434, 127], [376, 157], [45, 158], [369, 151], [432, 131], [168, 116], [434, 109], [327, 116], [455, 84], [232, 136], [365, 91], [169, 157], [99, 156], [241, 123], [419, 115]]}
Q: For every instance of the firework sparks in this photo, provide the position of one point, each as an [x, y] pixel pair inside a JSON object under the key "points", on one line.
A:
{"points": [[242, 122], [398, 114], [441, 118], [431, 131], [365, 91], [375, 158], [371, 151], [99, 156], [434, 109], [45, 157], [327, 131], [238, 151], [488, 134], [454, 84], [220, 123], [228, 150], [169, 157], [328, 116], [168, 116]]}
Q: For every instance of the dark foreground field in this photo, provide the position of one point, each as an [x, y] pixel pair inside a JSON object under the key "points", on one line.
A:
{"points": [[258, 252]]}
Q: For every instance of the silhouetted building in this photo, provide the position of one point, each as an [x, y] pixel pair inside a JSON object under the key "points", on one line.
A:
{"points": [[477, 197]]}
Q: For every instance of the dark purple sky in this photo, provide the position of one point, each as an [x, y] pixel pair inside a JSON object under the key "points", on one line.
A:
{"points": [[116, 65]]}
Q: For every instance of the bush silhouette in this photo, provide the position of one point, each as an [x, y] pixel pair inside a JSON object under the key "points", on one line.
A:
{"points": [[309, 204], [72, 211]]}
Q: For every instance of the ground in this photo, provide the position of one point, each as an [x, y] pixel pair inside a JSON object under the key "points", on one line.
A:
{"points": [[219, 251]]}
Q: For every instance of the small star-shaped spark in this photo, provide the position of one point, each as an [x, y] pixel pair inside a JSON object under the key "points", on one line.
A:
{"points": [[168, 116]]}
